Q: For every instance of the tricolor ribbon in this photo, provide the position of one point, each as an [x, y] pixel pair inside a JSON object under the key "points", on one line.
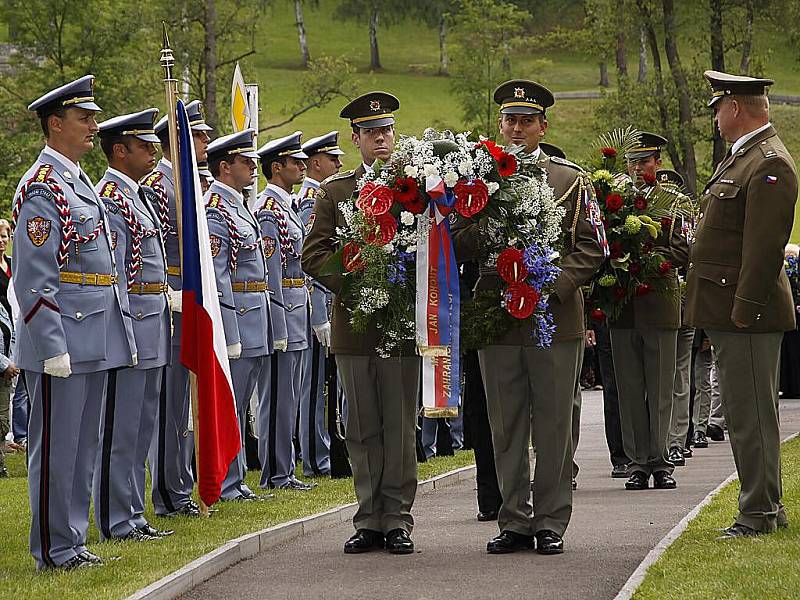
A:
{"points": [[438, 305]]}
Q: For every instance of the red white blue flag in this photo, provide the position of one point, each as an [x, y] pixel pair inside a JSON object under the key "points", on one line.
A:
{"points": [[203, 348]]}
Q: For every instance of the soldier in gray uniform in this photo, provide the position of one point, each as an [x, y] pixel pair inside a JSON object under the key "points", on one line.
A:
{"points": [[66, 285], [282, 232], [171, 451], [323, 161], [241, 282], [129, 413]]}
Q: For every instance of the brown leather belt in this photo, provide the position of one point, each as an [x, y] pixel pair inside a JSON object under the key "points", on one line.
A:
{"points": [[293, 283], [174, 270], [249, 286], [102, 279], [148, 288]]}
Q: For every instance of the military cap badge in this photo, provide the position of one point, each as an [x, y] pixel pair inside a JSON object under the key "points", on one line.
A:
{"points": [[215, 245], [38, 229], [519, 92], [375, 105]]}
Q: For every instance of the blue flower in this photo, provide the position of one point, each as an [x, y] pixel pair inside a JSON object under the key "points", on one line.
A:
{"points": [[541, 269]]}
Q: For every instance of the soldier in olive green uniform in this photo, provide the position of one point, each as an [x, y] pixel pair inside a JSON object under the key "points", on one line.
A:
{"points": [[738, 291], [530, 388], [381, 392], [644, 341]]}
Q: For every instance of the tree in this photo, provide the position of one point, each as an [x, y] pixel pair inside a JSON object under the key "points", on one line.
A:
{"points": [[301, 30], [437, 14], [386, 12]]}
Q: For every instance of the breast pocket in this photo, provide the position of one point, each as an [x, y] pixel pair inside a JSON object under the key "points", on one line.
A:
{"points": [[252, 325], [148, 324], [84, 322], [723, 207], [149, 248], [84, 222]]}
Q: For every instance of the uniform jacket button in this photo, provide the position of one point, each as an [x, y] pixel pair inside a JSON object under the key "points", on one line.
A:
{"points": [[290, 305], [82, 218], [139, 315], [241, 310], [723, 280], [79, 315]]}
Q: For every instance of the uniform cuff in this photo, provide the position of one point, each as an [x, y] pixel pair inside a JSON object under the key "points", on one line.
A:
{"points": [[746, 311]]}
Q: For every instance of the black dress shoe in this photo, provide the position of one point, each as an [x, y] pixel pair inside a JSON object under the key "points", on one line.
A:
{"points": [[619, 471], [549, 542], [737, 530], [294, 484], [676, 457], [364, 540], [152, 531], [715, 432], [699, 440], [74, 563], [399, 542], [637, 481], [187, 510], [687, 453], [663, 481], [93, 558], [488, 515], [136, 535], [510, 541]]}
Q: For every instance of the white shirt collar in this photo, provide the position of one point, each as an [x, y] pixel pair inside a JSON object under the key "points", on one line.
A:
{"points": [[125, 179], [536, 153], [74, 168], [229, 189], [367, 168], [747, 137], [282, 193], [311, 181]]}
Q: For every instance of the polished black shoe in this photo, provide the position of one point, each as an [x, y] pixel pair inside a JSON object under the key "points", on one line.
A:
{"points": [[676, 457], [364, 540], [715, 433], [687, 453], [187, 510], [136, 535], [74, 563], [637, 481], [152, 531], [619, 471], [549, 542], [488, 515], [663, 481], [737, 530], [510, 541], [699, 440], [93, 558], [295, 484], [399, 542]]}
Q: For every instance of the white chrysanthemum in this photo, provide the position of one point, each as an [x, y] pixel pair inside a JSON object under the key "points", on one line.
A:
{"points": [[493, 187], [411, 171], [430, 170], [406, 218], [465, 167], [450, 178]]}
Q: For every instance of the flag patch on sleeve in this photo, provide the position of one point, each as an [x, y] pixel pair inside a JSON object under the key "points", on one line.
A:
{"points": [[771, 179]]}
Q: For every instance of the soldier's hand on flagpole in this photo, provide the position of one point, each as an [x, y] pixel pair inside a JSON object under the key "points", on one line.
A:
{"points": [[281, 345], [175, 299], [235, 351], [323, 333], [58, 366]]}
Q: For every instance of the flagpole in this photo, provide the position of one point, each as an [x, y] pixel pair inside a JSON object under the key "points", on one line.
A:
{"points": [[171, 89], [252, 101]]}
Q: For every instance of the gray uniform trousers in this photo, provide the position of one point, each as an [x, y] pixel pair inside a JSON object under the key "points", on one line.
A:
{"points": [[682, 389], [247, 374], [532, 389], [172, 446], [706, 387], [126, 430], [381, 437], [644, 364], [717, 416], [65, 416], [315, 442], [748, 365], [277, 418]]}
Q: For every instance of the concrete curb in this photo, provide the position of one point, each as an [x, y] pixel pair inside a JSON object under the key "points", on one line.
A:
{"points": [[637, 577], [207, 566]]}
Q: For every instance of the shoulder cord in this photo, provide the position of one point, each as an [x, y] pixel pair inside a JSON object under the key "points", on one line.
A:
{"points": [[235, 237]]}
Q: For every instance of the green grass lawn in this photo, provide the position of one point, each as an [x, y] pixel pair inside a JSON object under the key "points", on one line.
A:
{"points": [[144, 563], [697, 567]]}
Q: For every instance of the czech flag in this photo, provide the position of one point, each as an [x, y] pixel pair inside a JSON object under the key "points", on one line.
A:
{"points": [[203, 349]]}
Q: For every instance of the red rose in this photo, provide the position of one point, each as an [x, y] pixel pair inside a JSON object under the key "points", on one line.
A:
{"points": [[521, 300], [405, 189], [615, 250], [640, 203], [375, 200], [495, 150], [597, 315], [620, 293], [510, 266], [647, 247], [613, 202], [351, 257], [643, 289], [506, 165], [649, 178], [381, 229], [665, 268], [634, 268], [666, 223], [608, 152], [471, 197]]}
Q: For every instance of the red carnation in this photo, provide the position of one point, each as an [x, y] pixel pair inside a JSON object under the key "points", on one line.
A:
{"points": [[635, 268], [495, 150], [405, 190], [666, 223], [381, 229], [521, 300], [471, 197], [649, 178], [375, 200], [613, 202], [665, 268], [643, 289], [620, 293], [615, 249], [640, 203], [510, 266], [506, 165], [597, 315], [608, 152], [351, 257]]}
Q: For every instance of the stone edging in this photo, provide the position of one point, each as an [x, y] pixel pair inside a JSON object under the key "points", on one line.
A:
{"points": [[637, 577], [207, 566]]}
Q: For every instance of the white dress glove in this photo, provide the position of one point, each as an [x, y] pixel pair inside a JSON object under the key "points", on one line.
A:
{"points": [[235, 351], [323, 333], [175, 299], [58, 366], [281, 345]]}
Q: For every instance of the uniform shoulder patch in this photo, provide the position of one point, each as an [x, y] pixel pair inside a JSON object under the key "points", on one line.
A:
{"points": [[311, 220], [213, 201], [264, 216], [42, 173], [214, 215], [38, 230], [152, 178], [108, 189], [269, 246], [110, 205], [216, 244]]}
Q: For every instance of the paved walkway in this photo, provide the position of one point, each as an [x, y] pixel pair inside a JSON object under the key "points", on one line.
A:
{"points": [[610, 533]]}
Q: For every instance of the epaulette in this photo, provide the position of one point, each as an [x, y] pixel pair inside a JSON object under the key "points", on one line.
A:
{"points": [[563, 161], [108, 189], [213, 201], [269, 204], [42, 174], [338, 176], [767, 149], [309, 193], [153, 178]]}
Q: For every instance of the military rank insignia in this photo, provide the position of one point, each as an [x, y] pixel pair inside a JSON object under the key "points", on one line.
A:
{"points": [[38, 229], [215, 245], [310, 223], [43, 174], [113, 240], [269, 246]]}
